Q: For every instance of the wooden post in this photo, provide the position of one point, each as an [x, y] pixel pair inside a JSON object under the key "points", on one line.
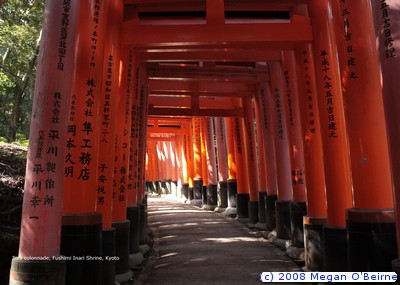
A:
{"points": [[250, 158], [222, 156], [298, 207], [282, 153], [313, 157], [265, 107], [43, 189], [334, 135], [232, 167]]}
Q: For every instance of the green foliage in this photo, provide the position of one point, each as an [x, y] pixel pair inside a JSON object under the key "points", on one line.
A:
{"points": [[20, 26]]}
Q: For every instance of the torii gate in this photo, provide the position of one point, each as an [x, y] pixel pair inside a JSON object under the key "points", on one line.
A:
{"points": [[143, 59]]}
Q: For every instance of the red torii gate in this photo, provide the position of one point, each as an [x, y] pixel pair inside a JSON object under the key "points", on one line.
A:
{"points": [[163, 57]]}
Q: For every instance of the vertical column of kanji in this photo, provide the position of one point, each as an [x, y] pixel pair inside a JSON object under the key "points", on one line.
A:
{"points": [[243, 195], [204, 163], [80, 221], [262, 190], [197, 160], [249, 143], [222, 158], [387, 29], [212, 187], [43, 190], [232, 167], [142, 131], [334, 135], [282, 153], [298, 207], [313, 157], [373, 211], [134, 142], [121, 167], [106, 135], [265, 105]]}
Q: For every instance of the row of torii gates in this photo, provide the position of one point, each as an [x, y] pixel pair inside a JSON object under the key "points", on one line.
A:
{"points": [[298, 96]]}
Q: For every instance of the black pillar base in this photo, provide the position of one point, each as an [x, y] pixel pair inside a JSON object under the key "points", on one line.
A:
{"points": [[335, 247], [158, 187], [261, 207], [232, 192], [204, 195], [122, 246], [253, 212], [222, 194], [242, 206], [133, 215], [185, 191], [270, 212], [313, 246], [142, 224], [50, 272], [81, 236], [372, 241], [164, 187], [212, 195], [108, 250], [198, 189], [151, 186], [297, 211], [190, 193], [282, 210]]}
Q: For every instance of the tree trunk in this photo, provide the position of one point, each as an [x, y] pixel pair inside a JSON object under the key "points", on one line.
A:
{"points": [[18, 95]]}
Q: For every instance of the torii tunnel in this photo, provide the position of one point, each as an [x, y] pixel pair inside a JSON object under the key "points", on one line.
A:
{"points": [[282, 112]]}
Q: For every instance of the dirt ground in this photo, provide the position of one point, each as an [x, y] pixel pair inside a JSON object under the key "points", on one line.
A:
{"points": [[12, 172]]}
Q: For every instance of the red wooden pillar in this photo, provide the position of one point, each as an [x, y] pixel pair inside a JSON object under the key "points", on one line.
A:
{"points": [[143, 101], [204, 162], [80, 221], [313, 156], [212, 186], [265, 105], [175, 167], [121, 167], [298, 205], [43, 190], [179, 164], [188, 169], [368, 139], [387, 27], [134, 141], [251, 158], [197, 160], [282, 153], [243, 195], [222, 158], [232, 167], [334, 135], [263, 184], [106, 136]]}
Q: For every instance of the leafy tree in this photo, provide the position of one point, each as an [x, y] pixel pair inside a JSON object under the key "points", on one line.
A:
{"points": [[20, 26]]}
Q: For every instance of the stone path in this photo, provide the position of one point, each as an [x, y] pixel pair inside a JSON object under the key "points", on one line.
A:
{"points": [[194, 246]]}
